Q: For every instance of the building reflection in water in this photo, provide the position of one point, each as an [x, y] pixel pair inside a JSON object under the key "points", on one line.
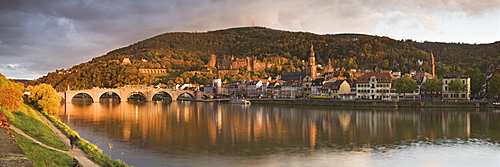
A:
{"points": [[258, 129]]}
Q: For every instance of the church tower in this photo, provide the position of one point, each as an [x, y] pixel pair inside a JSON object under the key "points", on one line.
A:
{"points": [[432, 67], [311, 68]]}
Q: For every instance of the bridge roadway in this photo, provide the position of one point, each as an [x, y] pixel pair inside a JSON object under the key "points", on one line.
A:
{"points": [[125, 92]]}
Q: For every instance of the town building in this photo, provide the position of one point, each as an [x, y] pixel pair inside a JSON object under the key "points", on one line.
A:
{"points": [[448, 94], [290, 76], [336, 89], [254, 88], [290, 89], [317, 85], [273, 89], [152, 71], [375, 85], [126, 61]]}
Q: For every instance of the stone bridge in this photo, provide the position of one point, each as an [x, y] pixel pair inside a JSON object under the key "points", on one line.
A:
{"points": [[125, 92]]}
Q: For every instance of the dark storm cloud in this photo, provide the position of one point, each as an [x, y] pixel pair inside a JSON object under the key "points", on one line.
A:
{"points": [[37, 37]]}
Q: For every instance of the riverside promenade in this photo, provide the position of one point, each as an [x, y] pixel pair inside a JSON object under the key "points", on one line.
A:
{"points": [[11, 155], [377, 103]]}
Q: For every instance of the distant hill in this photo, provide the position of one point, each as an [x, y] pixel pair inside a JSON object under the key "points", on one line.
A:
{"points": [[190, 51]]}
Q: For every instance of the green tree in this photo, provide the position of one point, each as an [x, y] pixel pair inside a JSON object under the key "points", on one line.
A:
{"points": [[441, 71], [10, 98], [433, 85], [477, 79], [456, 86], [406, 85], [45, 98], [494, 86]]}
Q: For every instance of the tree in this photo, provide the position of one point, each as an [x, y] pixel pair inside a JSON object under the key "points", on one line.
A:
{"points": [[45, 98], [456, 86], [406, 85], [494, 86], [10, 98], [433, 85], [477, 80], [442, 70]]}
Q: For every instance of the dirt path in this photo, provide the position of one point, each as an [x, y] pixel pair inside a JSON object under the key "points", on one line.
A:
{"points": [[84, 159]]}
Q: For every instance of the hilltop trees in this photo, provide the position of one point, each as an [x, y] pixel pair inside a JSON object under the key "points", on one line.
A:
{"points": [[191, 51], [45, 98]]}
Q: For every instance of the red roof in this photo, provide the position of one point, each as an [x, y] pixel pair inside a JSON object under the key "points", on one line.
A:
{"points": [[382, 77]]}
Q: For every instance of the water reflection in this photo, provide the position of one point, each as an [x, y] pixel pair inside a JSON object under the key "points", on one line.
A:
{"points": [[192, 128]]}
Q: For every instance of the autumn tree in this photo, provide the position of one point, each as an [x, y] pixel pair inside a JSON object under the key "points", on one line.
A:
{"points": [[45, 98], [10, 98]]}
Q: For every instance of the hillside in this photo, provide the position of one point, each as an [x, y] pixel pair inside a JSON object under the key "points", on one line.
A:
{"points": [[191, 51]]}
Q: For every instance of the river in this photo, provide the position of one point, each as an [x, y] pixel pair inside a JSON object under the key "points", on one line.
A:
{"points": [[187, 133]]}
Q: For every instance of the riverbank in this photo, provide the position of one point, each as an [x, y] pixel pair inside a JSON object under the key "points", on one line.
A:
{"points": [[368, 103], [40, 143], [378, 103]]}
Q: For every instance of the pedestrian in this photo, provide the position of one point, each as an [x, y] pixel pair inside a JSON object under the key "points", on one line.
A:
{"points": [[71, 141], [75, 141]]}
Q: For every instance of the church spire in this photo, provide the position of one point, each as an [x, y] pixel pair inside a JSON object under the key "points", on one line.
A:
{"points": [[311, 53], [311, 70], [432, 67]]}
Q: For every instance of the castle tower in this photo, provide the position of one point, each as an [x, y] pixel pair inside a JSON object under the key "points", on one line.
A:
{"points": [[432, 67], [212, 62], [311, 68]]}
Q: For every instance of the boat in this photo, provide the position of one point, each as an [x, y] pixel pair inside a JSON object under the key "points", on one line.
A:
{"points": [[239, 101]]}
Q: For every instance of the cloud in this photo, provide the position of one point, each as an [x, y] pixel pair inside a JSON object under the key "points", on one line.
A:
{"points": [[42, 36]]}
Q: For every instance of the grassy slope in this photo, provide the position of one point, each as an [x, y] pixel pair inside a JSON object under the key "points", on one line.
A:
{"points": [[41, 156], [86, 146], [32, 124]]}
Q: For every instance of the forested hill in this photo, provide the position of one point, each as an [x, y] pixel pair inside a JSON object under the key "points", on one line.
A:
{"points": [[191, 51], [485, 57]]}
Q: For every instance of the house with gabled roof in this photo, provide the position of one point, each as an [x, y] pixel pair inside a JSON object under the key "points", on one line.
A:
{"points": [[375, 85]]}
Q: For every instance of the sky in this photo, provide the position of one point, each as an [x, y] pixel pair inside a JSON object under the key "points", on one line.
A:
{"points": [[38, 37]]}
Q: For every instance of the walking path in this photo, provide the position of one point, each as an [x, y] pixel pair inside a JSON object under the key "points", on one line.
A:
{"points": [[84, 159]]}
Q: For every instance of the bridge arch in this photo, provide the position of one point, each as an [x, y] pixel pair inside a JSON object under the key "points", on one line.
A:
{"points": [[185, 94], [139, 96], [161, 96], [84, 94], [103, 93]]}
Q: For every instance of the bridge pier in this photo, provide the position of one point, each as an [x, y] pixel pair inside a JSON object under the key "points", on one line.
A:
{"points": [[197, 95]]}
